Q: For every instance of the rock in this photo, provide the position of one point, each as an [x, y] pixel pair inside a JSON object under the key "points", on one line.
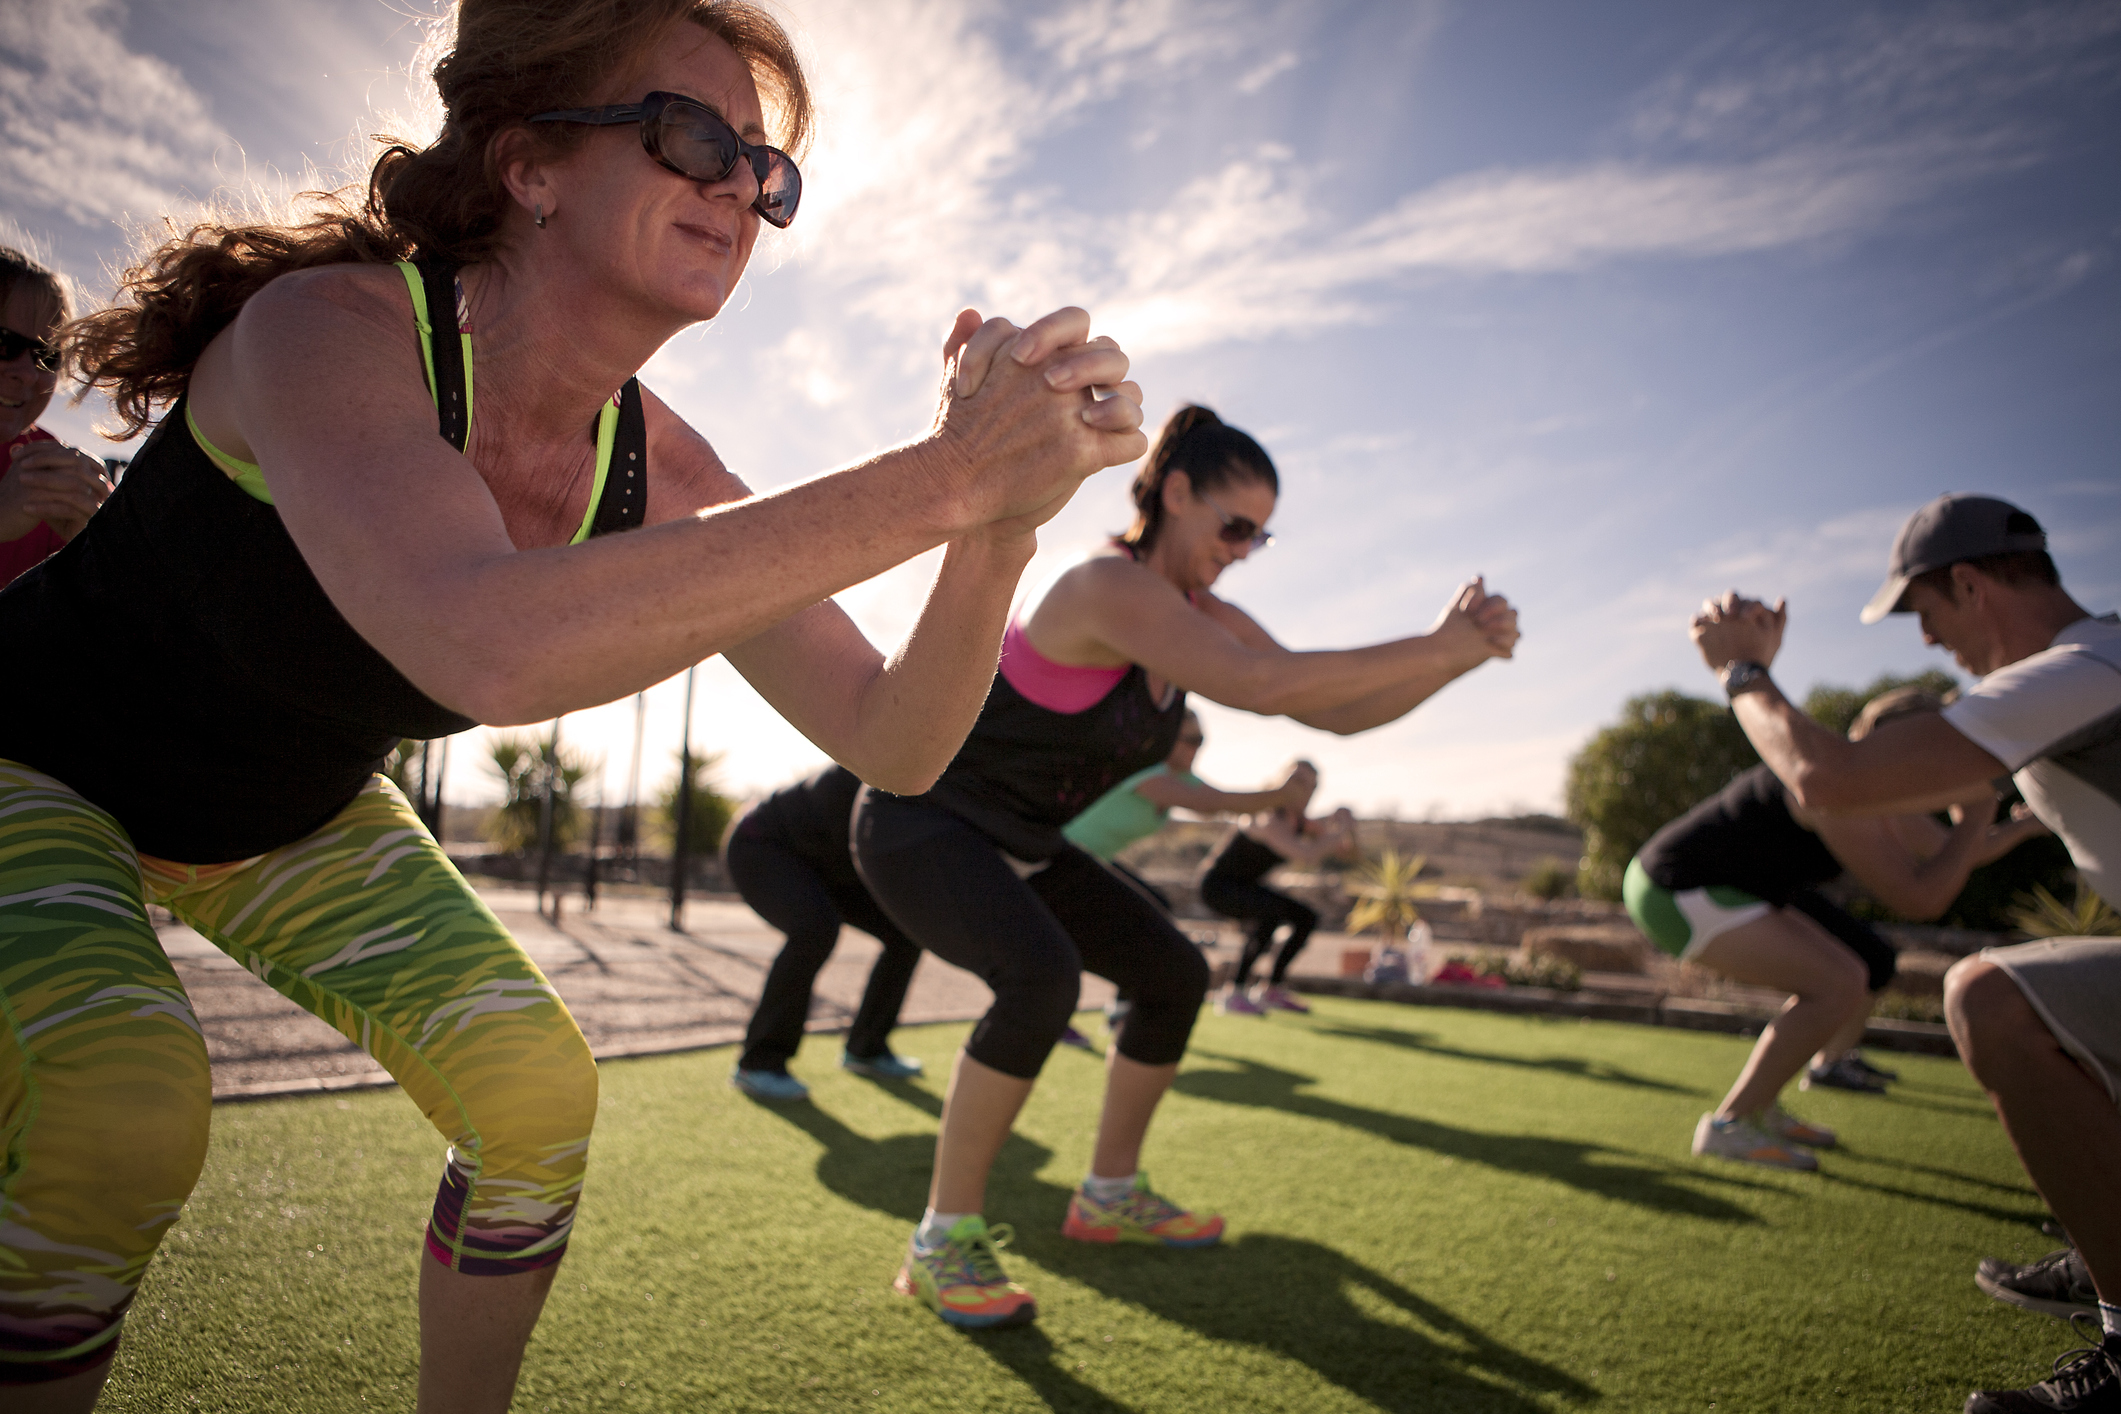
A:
{"points": [[1592, 947]]}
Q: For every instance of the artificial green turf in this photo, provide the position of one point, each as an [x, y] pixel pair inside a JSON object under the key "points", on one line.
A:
{"points": [[1429, 1210]]}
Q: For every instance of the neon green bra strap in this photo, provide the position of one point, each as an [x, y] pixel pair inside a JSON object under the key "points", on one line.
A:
{"points": [[421, 321], [607, 429], [244, 474]]}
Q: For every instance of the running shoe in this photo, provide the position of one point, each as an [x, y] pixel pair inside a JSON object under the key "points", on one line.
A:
{"points": [[1843, 1074], [1748, 1143], [1236, 1003], [961, 1280], [884, 1067], [1280, 999], [2056, 1285], [1116, 1011], [1775, 1120], [777, 1086], [2087, 1380], [1073, 1037], [1140, 1216]]}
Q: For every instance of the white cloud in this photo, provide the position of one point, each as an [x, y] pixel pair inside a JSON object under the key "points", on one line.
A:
{"points": [[89, 129]]}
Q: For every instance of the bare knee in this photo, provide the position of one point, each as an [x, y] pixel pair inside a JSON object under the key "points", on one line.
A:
{"points": [[1989, 1017], [1844, 982]]}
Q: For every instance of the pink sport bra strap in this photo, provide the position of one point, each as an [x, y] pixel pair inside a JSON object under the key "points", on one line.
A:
{"points": [[1053, 686]]}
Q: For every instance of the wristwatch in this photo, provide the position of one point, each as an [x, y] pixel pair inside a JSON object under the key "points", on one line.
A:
{"points": [[1743, 675]]}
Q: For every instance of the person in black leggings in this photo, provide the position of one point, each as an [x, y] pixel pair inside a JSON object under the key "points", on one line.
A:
{"points": [[1232, 887], [788, 857], [1091, 688]]}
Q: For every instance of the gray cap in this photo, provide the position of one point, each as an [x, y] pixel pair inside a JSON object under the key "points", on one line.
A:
{"points": [[1944, 532]]}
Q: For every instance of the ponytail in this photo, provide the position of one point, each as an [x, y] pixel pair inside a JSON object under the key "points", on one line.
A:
{"points": [[1209, 451]]}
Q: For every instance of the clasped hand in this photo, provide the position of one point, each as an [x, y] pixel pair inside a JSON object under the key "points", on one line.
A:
{"points": [[1481, 624], [53, 483], [1735, 629], [1021, 408]]}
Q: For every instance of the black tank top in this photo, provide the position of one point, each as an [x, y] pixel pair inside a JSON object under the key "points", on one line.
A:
{"points": [[1027, 770], [1244, 859], [810, 818], [1743, 837], [179, 665]]}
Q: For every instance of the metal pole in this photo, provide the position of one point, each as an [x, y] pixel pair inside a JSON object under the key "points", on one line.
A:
{"points": [[441, 775], [681, 851], [630, 818], [426, 784], [545, 811], [596, 841]]}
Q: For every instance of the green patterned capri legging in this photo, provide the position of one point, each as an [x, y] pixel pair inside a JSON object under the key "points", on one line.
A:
{"points": [[105, 1095]]}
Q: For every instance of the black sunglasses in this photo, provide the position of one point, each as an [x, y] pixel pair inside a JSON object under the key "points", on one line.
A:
{"points": [[13, 346], [1239, 530], [694, 141]]}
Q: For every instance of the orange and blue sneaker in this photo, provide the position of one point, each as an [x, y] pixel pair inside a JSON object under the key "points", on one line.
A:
{"points": [[1776, 1120], [961, 1279], [1139, 1216]]}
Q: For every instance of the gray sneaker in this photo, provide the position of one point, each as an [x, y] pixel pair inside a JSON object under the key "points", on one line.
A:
{"points": [[1843, 1074], [2056, 1285], [884, 1067], [1750, 1144]]}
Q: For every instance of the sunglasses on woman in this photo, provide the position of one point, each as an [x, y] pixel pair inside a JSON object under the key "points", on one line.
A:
{"points": [[13, 346], [1239, 530], [694, 141]]}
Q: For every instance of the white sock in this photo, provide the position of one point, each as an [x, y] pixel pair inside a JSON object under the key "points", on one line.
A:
{"points": [[934, 1228], [1108, 1190], [2110, 1319]]}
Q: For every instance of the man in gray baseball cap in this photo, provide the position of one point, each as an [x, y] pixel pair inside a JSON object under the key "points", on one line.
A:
{"points": [[1943, 533], [2039, 1024]]}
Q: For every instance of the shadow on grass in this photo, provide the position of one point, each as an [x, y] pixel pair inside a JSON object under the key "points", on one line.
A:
{"points": [[1553, 1065], [1984, 1210], [1614, 1174], [1299, 1300], [2015, 1190]]}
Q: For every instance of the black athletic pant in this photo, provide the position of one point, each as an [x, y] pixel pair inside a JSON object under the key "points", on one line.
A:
{"points": [[791, 893], [1030, 940], [1264, 912], [1860, 938]]}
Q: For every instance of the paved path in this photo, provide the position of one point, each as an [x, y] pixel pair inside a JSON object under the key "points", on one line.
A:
{"points": [[635, 987]]}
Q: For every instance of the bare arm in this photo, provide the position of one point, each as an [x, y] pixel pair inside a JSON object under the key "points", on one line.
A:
{"points": [[1168, 792], [1111, 610], [1875, 849], [1916, 763], [323, 379]]}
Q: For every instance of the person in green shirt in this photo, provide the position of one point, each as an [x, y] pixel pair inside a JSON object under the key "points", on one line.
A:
{"points": [[1138, 806]]}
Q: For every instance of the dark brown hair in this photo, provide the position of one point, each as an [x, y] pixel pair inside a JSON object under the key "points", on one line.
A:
{"points": [[17, 268], [511, 58], [2015, 568], [1209, 451]]}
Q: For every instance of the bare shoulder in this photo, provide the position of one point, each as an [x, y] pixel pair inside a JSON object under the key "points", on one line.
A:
{"points": [[685, 473], [338, 297], [1107, 573]]}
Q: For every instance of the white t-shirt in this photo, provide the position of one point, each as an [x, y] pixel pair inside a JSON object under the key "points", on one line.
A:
{"points": [[2055, 719]]}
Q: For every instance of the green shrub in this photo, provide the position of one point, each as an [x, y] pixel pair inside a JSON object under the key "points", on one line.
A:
{"points": [[522, 763], [1666, 752], [1550, 879], [711, 810]]}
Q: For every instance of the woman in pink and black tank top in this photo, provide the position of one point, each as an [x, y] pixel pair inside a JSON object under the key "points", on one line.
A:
{"points": [[47, 489], [1092, 686]]}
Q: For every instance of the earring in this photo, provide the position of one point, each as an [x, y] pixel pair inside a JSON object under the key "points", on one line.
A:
{"points": [[538, 215]]}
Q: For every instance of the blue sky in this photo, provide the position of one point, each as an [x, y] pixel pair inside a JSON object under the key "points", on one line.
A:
{"points": [[1619, 304]]}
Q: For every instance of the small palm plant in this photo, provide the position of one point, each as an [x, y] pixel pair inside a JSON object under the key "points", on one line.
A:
{"points": [[522, 763], [2042, 915], [1385, 895]]}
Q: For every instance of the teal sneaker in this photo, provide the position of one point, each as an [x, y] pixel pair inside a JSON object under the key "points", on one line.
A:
{"points": [[777, 1086], [884, 1067]]}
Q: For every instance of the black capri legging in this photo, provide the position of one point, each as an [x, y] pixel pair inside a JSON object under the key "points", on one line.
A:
{"points": [[1264, 912], [1859, 937], [808, 905], [1029, 939]]}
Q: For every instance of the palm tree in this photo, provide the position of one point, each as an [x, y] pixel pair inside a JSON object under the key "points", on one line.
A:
{"points": [[1385, 897], [522, 763], [2043, 915]]}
